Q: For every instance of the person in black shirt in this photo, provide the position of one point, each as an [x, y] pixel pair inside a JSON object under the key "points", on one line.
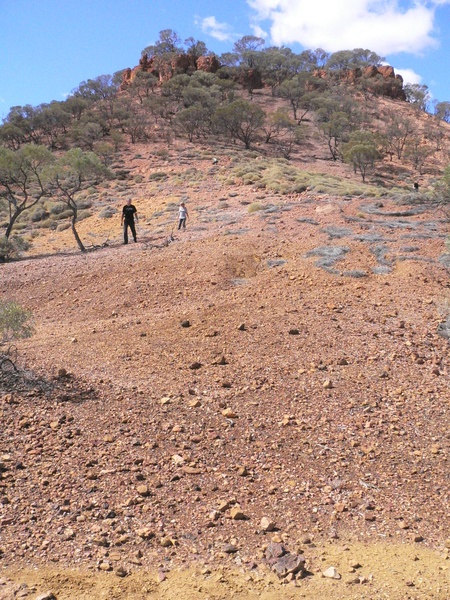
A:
{"points": [[129, 213]]}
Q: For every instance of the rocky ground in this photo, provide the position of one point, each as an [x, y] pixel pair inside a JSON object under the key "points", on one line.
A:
{"points": [[255, 400]]}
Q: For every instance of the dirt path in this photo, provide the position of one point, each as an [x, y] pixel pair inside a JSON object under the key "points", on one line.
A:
{"points": [[395, 572]]}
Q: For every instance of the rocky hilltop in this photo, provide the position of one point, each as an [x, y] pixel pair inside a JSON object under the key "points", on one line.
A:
{"points": [[382, 80]]}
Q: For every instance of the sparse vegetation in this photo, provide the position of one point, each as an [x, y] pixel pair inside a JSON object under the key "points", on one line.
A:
{"points": [[316, 103]]}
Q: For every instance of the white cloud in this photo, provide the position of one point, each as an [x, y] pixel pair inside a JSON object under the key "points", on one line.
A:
{"points": [[409, 76], [219, 31], [259, 31], [380, 25]]}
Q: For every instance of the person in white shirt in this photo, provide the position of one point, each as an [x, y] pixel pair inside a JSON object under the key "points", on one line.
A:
{"points": [[182, 216]]}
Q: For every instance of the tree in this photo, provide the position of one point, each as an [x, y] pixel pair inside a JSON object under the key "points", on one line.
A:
{"points": [[442, 111], [175, 86], [168, 43], [131, 120], [19, 126], [417, 95], [248, 44], [240, 119], [142, 85], [282, 131], [76, 105], [442, 192], [298, 91], [102, 91], [398, 130], [51, 120], [336, 117], [436, 135], [86, 134], [361, 152], [22, 179], [196, 48], [274, 67], [193, 121], [74, 172], [352, 59], [418, 153]]}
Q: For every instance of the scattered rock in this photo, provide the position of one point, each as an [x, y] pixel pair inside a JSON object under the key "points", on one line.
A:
{"points": [[195, 366], [289, 563], [275, 550], [229, 549], [143, 490], [236, 513], [46, 596], [267, 524], [331, 573]]}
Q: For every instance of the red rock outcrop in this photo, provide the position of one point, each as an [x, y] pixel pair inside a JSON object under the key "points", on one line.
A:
{"points": [[164, 70], [209, 64], [386, 82]]}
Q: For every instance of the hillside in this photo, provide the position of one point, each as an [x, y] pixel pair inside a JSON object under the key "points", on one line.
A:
{"points": [[230, 410]]}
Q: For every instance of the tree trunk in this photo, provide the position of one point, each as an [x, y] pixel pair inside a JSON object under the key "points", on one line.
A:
{"points": [[11, 223], [76, 236]]}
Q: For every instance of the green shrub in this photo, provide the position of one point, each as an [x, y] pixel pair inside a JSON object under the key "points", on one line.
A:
{"points": [[255, 207], [84, 204], [12, 247], [47, 224], [83, 214], [67, 214], [57, 208], [138, 179], [158, 176], [15, 321], [63, 226], [107, 212], [38, 214]]}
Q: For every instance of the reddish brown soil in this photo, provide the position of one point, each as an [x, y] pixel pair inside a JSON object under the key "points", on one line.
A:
{"points": [[318, 398]]}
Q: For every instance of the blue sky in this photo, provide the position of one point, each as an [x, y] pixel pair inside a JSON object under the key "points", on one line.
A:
{"points": [[47, 47]]}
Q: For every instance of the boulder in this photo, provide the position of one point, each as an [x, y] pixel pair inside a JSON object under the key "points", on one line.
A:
{"points": [[210, 64]]}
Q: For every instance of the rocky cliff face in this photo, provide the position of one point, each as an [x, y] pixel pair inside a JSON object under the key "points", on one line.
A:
{"points": [[379, 80], [164, 70]]}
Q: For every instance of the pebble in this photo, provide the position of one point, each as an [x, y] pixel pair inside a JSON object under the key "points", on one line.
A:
{"points": [[143, 490], [267, 524], [331, 573], [46, 596], [237, 514]]}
